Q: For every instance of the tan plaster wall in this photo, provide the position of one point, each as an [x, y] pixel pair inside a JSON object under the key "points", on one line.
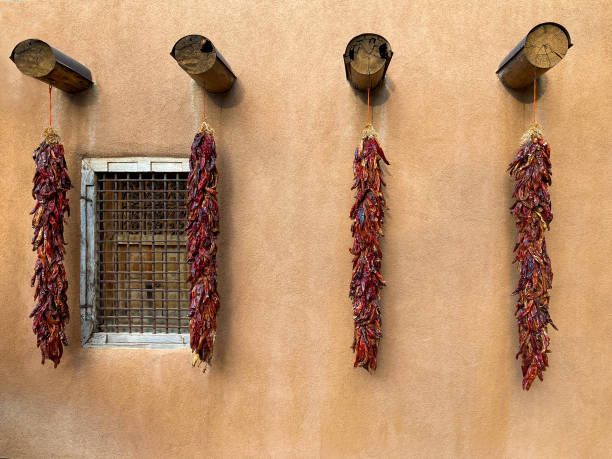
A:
{"points": [[282, 383]]}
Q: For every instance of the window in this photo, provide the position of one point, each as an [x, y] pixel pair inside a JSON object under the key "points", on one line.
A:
{"points": [[134, 290]]}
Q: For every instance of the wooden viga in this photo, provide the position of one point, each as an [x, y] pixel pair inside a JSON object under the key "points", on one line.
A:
{"points": [[39, 60], [197, 56], [539, 51], [366, 60]]}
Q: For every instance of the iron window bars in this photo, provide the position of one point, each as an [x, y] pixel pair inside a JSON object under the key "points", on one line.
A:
{"points": [[134, 290]]}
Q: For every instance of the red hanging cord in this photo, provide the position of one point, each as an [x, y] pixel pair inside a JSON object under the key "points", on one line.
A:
{"points": [[50, 87], [368, 105], [203, 104], [534, 98]]}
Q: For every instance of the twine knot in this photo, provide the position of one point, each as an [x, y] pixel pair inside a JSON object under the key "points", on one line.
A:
{"points": [[206, 128], [368, 131], [534, 132], [51, 136]]}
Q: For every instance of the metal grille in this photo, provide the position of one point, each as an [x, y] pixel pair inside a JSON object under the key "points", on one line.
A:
{"points": [[142, 259]]}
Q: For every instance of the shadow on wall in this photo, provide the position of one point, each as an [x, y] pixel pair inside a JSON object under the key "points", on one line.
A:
{"points": [[230, 98], [509, 314], [224, 256], [378, 95], [525, 95], [83, 99]]}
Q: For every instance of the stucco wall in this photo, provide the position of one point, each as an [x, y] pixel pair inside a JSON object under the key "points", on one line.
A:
{"points": [[282, 383]]}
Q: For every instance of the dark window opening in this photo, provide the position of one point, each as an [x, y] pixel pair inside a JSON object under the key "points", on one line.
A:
{"points": [[142, 259]]}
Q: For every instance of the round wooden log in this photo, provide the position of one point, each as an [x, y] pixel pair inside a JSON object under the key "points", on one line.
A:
{"points": [[37, 59], [541, 49], [204, 63], [366, 59]]}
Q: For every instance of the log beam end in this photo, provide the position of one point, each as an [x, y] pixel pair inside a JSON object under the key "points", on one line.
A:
{"points": [[39, 60], [197, 56], [539, 51], [366, 59]]}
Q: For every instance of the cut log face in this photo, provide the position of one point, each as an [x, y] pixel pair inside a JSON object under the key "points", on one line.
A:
{"points": [[39, 60], [366, 59], [541, 49], [34, 58], [546, 45], [202, 61]]}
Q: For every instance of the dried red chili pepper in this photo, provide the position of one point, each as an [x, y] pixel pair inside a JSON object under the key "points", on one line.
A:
{"points": [[532, 209], [367, 214], [202, 230], [51, 182]]}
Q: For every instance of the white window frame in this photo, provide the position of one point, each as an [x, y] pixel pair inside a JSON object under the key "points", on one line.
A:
{"points": [[89, 260]]}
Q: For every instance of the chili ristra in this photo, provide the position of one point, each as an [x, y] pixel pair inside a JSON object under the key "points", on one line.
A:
{"points": [[367, 228], [531, 170], [51, 182], [202, 230]]}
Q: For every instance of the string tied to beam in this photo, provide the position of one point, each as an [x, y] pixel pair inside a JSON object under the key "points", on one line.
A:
{"points": [[369, 106], [50, 135], [50, 104], [205, 127], [534, 99], [203, 105]]}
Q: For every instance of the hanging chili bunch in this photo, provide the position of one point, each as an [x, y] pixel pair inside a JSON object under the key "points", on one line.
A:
{"points": [[367, 214], [202, 230], [532, 209], [51, 182]]}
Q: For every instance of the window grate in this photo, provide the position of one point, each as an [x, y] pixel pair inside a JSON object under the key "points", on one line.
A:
{"points": [[142, 258]]}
